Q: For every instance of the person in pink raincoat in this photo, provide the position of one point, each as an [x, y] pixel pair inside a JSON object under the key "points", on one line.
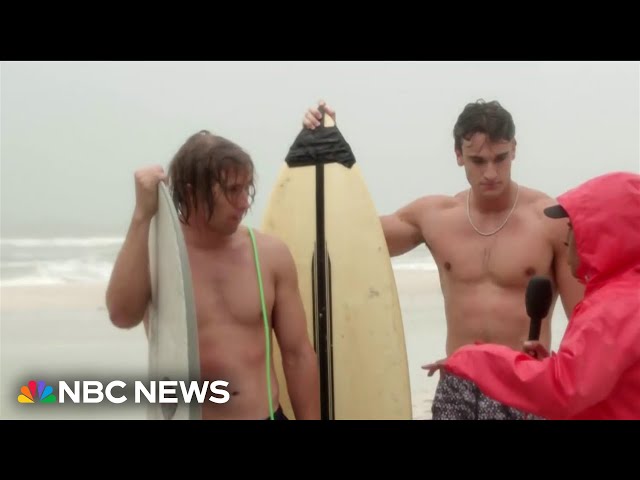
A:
{"points": [[595, 374]]}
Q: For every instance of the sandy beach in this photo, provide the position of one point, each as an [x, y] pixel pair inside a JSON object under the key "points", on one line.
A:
{"points": [[53, 331], [57, 332]]}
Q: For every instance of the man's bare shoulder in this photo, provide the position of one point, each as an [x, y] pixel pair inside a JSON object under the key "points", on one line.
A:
{"points": [[533, 195], [273, 248], [434, 202], [537, 201]]}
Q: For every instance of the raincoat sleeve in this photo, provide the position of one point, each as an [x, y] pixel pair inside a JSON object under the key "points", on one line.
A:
{"points": [[594, 352]]}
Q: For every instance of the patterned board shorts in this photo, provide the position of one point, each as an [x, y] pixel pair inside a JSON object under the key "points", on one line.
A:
{"points": [[459, 399]]}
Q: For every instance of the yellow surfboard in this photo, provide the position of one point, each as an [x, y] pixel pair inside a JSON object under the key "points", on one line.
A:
{"points": [[321, 208]]}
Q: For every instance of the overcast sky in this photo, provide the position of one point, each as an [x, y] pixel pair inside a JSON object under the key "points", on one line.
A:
{"points": [[73, 133]]}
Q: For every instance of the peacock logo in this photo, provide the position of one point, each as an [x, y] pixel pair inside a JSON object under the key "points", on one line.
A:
{"points": [[36, 392]]}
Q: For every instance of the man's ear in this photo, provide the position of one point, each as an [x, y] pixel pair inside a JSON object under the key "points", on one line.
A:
{"points": [[459, 157]]}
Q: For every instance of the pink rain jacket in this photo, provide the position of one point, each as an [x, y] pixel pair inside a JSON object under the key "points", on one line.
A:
{"points": [[596, 372]]}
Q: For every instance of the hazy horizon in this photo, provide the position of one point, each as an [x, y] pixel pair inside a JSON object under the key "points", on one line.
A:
{"points": [[73, 133]]}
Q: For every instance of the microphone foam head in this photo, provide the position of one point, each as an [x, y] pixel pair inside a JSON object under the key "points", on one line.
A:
{"points": [[538, 297]]}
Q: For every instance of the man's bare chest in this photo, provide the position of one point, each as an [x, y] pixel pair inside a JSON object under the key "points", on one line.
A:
{"points": [[227, 290], [509, 257]]}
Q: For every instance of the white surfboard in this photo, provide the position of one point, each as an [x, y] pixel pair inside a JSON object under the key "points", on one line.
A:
{"points": [[348, 290], [173, 329]]}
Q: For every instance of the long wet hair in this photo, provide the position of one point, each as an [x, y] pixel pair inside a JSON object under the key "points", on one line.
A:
{"points": [[204, 161], [489, 118]]}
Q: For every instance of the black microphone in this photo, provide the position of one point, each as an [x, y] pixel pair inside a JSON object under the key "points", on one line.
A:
{"points": [[538, 301]]}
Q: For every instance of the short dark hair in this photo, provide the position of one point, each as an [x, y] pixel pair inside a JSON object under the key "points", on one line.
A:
{"points": [[203, 161], [489, 118]]}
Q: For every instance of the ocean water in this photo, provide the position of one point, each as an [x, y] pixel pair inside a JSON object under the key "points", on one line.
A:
{"points": [[73, 260], [57, 261]]}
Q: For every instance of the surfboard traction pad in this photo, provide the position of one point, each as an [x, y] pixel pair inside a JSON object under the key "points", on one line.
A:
{"points": [[320, 146]]}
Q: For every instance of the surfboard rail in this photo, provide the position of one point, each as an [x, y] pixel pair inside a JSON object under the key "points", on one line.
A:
{"points": [[173, 328]]}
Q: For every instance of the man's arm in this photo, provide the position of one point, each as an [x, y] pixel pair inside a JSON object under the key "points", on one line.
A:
{"points": [[129, 288], [402, 229], [570, 289], [299, 359]]}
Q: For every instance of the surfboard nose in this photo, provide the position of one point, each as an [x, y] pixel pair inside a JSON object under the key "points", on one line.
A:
{"points": [[327, 121]]}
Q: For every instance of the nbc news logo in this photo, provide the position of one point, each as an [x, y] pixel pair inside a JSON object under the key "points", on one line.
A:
{"points": [[36, 392]]}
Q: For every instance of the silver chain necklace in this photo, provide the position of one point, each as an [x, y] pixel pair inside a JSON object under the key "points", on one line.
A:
{"points": [[503, 223]]}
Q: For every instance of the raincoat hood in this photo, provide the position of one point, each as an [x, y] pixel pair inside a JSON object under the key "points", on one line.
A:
{"points": [[605, 216]]}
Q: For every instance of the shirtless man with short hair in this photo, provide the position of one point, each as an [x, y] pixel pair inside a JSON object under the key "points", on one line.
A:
{"points": [[487, 243], [212, 180]]}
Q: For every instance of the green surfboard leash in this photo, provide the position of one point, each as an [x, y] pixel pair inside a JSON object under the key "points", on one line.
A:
{"points": [[267, 332]]}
